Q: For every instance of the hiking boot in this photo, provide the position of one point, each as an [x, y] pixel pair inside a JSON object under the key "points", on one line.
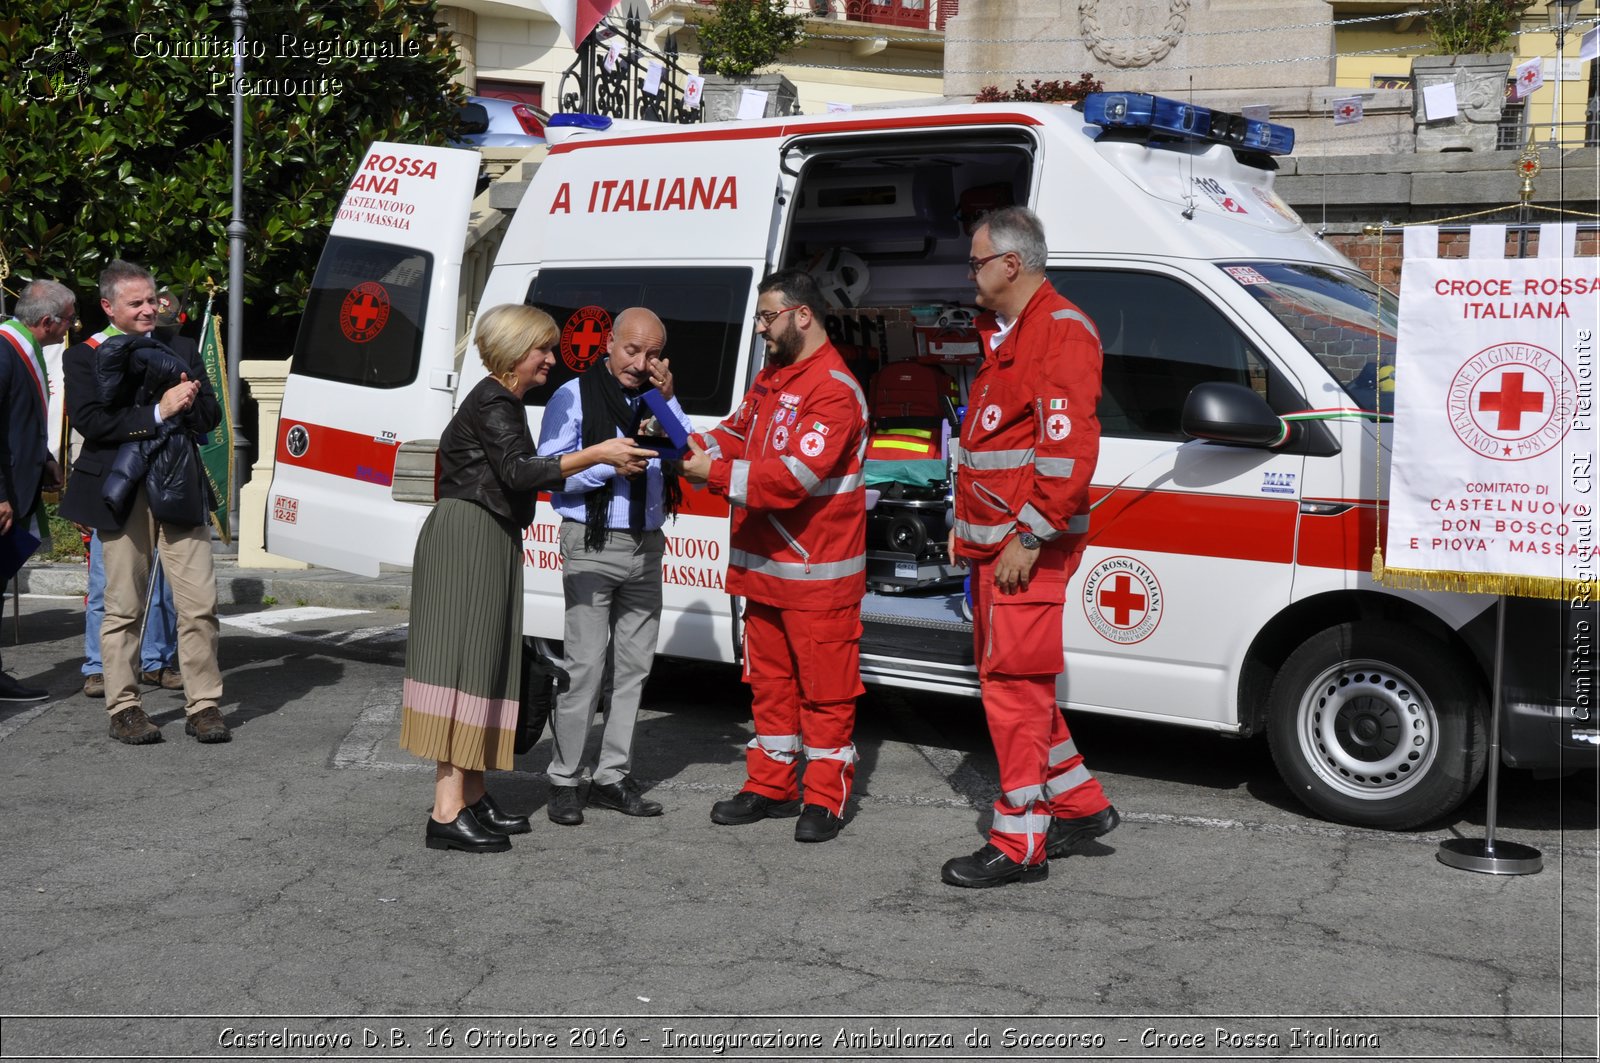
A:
{"points": [[94, 686], [134, 728], [207, 726], [165, 678]]}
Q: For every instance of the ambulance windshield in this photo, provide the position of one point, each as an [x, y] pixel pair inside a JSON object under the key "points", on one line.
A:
{"points": [[1341, 317]]}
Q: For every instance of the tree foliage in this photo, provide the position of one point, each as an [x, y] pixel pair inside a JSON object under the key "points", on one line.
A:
{"points": [[1042, 91], [743, 36], [1474, 27], [117, 120]]}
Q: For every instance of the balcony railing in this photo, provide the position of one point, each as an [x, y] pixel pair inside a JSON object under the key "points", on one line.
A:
{"points": [[908, 14]]}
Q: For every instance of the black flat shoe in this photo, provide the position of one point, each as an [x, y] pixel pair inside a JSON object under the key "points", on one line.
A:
{"points": [[465, 834], [565, 806], [622, 796], [747, 806], [491, 817]]}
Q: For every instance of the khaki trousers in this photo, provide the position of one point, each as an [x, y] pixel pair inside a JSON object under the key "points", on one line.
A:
{"points": [[186, 559]]}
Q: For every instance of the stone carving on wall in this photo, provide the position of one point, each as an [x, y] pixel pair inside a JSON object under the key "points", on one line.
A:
{"points": [[1132, 33]]}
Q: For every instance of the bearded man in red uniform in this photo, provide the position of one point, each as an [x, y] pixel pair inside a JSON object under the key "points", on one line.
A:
{"points": [[1029, 443], [789, 463]]}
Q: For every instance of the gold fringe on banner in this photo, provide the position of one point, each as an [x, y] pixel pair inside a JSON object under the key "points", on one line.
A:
{"points": [[1480, 582]]}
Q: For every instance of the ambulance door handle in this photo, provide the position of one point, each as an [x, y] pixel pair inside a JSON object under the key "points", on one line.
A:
{"points": [[442, 380]]}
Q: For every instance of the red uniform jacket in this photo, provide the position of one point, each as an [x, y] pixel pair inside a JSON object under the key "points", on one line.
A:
{"points": [[789, 461], [1031, 438]]}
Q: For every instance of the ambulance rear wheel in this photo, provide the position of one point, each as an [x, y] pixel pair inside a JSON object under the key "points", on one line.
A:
{"points": [[1379, 725]]}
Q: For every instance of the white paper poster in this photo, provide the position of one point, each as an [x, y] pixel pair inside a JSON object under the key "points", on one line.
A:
{"points": [[694, 87], [1439, 101], [652, 77], [840, 108], [1491, 485], [1348, 110], [1257, 112], [1589, 47], [613, 56], [752, 103]]}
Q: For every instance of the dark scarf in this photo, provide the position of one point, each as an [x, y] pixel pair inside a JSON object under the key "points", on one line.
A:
{"points": [[606, 410]]}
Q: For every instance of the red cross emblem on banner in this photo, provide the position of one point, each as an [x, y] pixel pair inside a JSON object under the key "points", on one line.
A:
{"points": [[1346, 111], [1510, 402], [1122, 600]]}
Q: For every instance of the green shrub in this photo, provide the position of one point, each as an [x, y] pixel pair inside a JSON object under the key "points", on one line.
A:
{"points": [[119, 137], [1474, 27], [1042, 91], [743, 36]]}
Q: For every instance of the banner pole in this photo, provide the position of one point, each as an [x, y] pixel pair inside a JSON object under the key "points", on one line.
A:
{"points": [[1468, 854]]}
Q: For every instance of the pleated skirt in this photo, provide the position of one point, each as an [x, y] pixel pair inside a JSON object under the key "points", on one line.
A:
{"points": [[463, 678]]}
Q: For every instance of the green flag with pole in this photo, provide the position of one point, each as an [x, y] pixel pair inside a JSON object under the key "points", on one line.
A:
{"points": [[216, 453]]}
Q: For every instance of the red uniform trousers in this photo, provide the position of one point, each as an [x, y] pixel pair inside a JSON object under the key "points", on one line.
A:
{"points": [[804, 671], [1017, 640]]}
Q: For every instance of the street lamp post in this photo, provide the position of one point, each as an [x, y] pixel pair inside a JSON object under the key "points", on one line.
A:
{"points": [[236, 234], [1563, 14]]}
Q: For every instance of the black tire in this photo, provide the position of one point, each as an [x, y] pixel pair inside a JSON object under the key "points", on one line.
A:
{"points": [[1377, 724]]}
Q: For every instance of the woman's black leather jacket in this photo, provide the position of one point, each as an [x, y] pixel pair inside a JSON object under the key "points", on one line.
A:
{"points": [[487, 456]]}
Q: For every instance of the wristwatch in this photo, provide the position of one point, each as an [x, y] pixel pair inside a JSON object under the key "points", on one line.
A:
{"points": [[1026, 537]]}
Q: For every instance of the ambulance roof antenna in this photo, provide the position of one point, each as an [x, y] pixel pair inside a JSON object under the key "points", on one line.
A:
{"points": [[1188, 212]]}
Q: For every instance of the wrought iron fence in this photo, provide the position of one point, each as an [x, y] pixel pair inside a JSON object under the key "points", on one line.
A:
{"points": [[597, 83]]}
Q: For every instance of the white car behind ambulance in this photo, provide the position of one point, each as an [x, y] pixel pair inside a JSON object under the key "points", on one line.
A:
{"points": [[1226, 583]]}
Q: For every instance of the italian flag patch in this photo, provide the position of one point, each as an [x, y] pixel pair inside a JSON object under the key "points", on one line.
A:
{"points": [[1058, 404]]}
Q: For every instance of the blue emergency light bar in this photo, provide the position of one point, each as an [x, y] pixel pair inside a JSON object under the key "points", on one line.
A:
{"points": [[579, 120], [1156, 114]]}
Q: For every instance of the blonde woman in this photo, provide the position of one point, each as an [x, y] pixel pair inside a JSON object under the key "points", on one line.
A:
{"points": [[463, 677]]}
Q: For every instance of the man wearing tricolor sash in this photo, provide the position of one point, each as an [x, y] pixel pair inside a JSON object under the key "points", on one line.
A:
{"points": [[27, 468]]}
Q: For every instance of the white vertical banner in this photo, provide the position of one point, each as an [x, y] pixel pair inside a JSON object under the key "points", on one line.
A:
{"points": [[1492, 475], [694, 87], [752, 103], [652, 77]]}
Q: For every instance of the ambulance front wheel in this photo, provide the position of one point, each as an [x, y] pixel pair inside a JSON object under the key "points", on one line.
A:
{"points": [[1379, 725]]}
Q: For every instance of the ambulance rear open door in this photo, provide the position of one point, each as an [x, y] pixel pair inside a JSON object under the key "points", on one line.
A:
{"points": [[374, 363]]}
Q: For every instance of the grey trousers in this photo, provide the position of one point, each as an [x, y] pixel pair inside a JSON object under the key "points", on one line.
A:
{"points": [[613, 600]]}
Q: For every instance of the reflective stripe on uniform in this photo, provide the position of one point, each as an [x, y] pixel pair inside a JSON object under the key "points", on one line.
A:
{"points": [[989, 460], [739, 483], [839, 485], [780, 748], [713, 448], [1063, 752], [819, 488], [1061, 467], [1023, 796], [1077, 524], [850, 382], [844, 753], [1022, 823], [1073, 315], [983, 534], [797, 570], [1067, 780]]}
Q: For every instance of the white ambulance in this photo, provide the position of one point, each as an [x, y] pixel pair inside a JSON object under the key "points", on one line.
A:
{"points": [[1226, 583]]}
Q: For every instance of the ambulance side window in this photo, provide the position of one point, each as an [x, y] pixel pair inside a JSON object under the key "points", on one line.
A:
{"points": [[362, 322], [703, 310], [1160, 339]]}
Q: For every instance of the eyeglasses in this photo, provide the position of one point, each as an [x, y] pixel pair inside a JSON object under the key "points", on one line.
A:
{"points": [[975, 264], [767, 317]]}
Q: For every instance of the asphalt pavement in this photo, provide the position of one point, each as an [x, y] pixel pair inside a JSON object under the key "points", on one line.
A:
{"points": [[271, 898]]}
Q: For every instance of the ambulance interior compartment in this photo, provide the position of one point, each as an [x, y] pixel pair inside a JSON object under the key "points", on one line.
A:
{"points": [[905, 212]]}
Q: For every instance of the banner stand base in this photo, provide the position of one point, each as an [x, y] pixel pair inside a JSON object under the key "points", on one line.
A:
{"points": [[1490, 858]]}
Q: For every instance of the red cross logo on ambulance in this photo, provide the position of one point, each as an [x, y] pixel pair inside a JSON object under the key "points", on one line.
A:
{"points": [[1122, 600], [364, 312], [1512, 401], [811, 444], [583, 337], [991, 417]]}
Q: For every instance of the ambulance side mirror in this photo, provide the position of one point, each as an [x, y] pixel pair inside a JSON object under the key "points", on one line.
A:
{"points": [[1230, 413]]}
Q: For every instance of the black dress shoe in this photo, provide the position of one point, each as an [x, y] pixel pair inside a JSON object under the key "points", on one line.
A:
{"points": [[747, 806], [990, 867], [465, 834], [623, 796], [1066, 836], [491, 817], [816, 824], [566, 805], [14, 692]]}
